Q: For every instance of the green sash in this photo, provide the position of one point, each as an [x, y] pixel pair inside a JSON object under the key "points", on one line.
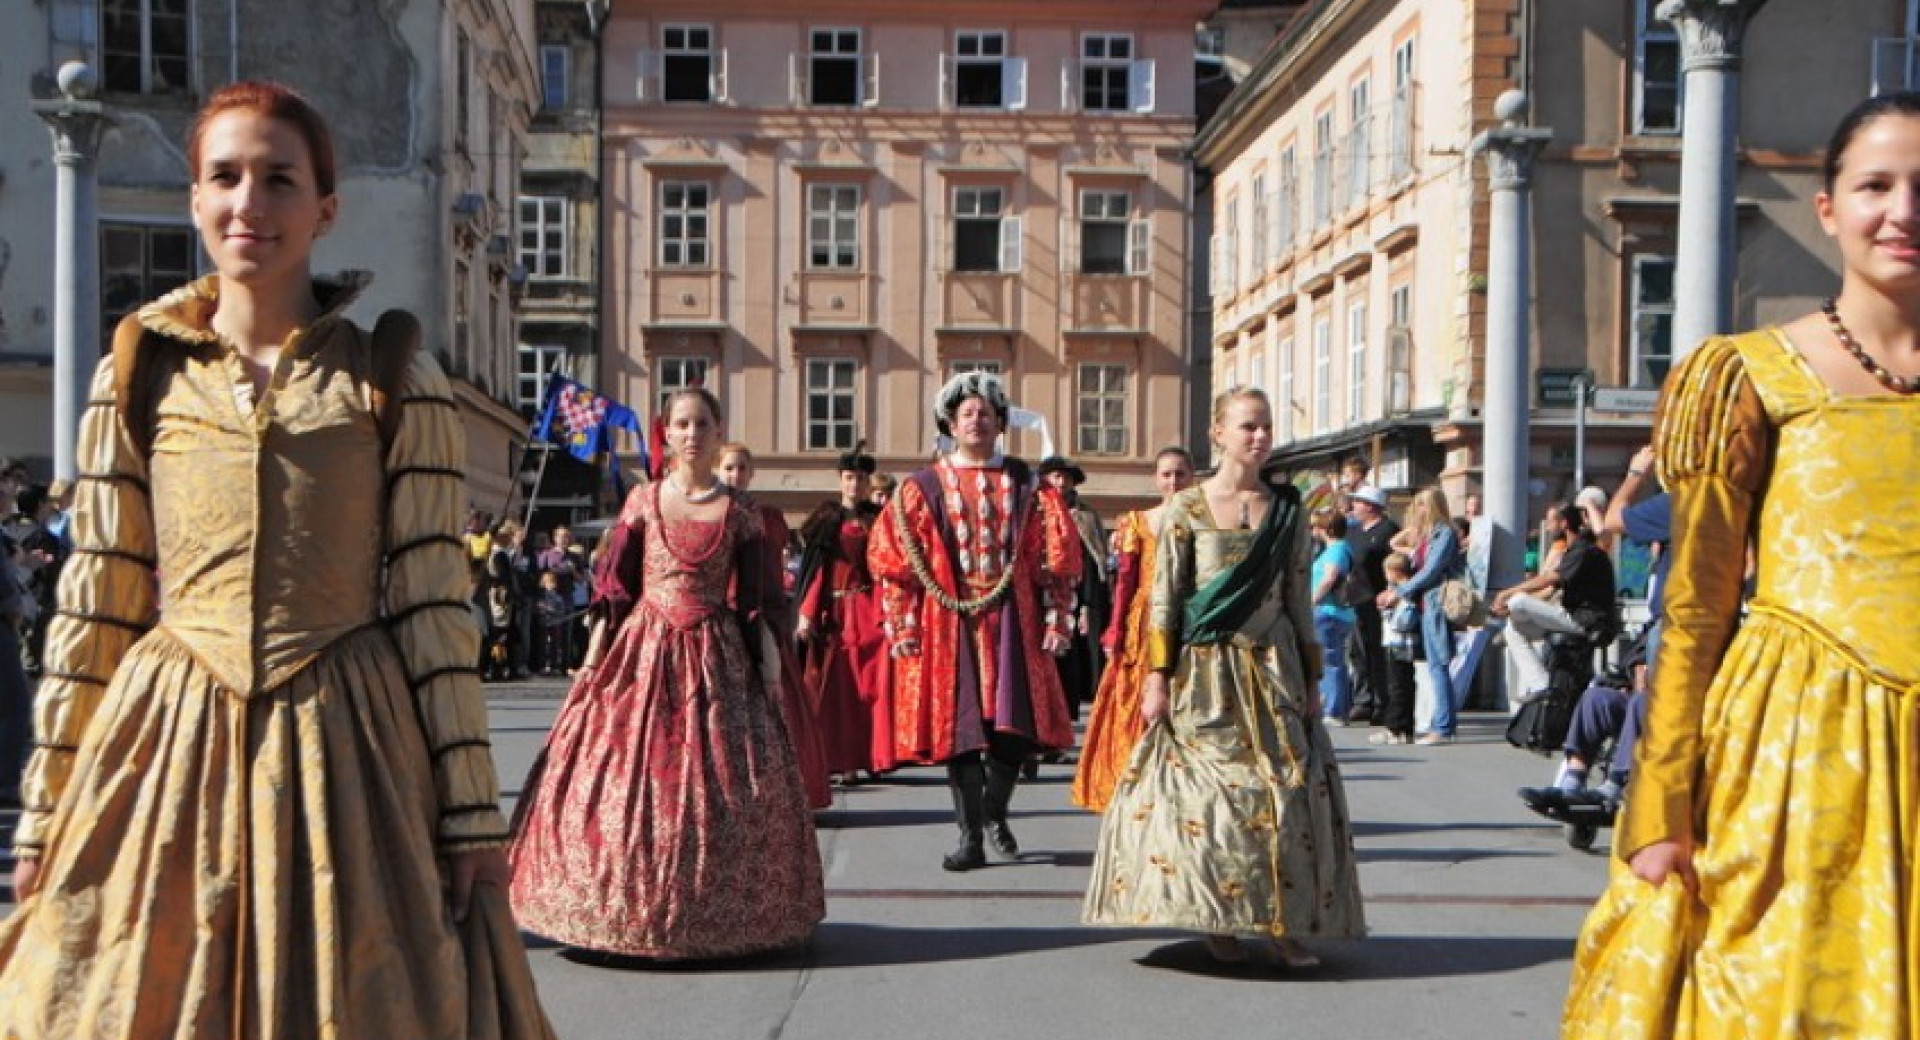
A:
{"points": [[1217, 611]]}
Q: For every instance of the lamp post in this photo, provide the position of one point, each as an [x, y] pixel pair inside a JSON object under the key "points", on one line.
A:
{"points": [[1510, 150], [77, 120]]}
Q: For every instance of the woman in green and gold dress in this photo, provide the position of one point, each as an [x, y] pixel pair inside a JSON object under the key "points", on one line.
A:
{"points": [[1231, 819], [1766, 885]]}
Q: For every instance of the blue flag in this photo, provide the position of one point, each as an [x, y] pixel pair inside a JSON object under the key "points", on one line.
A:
{"points": [[582, 421]]}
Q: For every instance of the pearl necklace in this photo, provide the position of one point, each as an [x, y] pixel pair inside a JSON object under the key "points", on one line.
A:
{"points": [[1897, 384], [697, 497]]}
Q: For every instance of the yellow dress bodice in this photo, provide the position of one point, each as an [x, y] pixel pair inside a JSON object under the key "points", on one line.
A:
{"points": [[1838, 541]]}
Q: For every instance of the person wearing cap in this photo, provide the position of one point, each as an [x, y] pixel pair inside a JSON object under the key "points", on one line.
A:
{"points": [[1370, 539], [1080, 666], [977, 561], [844, 653]]}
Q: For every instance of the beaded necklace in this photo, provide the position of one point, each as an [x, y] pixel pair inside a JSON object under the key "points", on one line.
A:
{"points": [[1897, 384]]}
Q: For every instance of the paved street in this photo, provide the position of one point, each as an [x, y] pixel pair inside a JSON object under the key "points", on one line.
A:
{"points": [[1472, 901]]}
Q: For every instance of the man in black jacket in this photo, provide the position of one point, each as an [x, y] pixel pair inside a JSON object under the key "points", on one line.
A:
{"points": [[1584, 577], [1368, 538]]}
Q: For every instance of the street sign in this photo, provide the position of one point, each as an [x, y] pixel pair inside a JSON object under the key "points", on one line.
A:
{"points": [[1556, 386], [1625, 399]]}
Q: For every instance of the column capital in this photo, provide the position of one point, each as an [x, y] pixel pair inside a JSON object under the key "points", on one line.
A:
{"points": [[1712, 32], [1510, 152], [77, 127]]}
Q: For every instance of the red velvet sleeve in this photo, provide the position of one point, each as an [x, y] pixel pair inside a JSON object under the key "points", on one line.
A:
{"points": [[616, 578]]}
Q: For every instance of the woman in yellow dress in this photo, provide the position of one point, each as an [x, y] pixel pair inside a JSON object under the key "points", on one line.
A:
{"points": [[1231, 819], [1766, 886], [261, 804], [1115, 726]]}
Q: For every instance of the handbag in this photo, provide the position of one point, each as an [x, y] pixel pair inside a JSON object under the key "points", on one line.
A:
{"points": [[1462, 603]]}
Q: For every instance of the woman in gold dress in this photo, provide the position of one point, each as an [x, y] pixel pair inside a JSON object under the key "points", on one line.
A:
{"points": [[1116, 724], [1231, 819], [1766, 884], [261, 804]]}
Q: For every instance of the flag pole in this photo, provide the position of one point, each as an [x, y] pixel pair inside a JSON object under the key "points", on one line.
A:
{"points": [[562, 365]]}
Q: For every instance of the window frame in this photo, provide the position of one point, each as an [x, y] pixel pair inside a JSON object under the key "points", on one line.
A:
{"points": [[998, 61], [1359, 140], [1108, 438], [838, 432], [957, 214], [669, 54], [530, 258], [1116, 236], [114, 80], [1323, 163], [154, 282], [1400, 165], [1356, 362], [1649, 29], [1322, 374], [529, 400], [549, 54], [1284, 403], [857, 56], [1260, 206], [1638, 312], [663, 387], [837, 222], [685, 240], [1107, 67]]}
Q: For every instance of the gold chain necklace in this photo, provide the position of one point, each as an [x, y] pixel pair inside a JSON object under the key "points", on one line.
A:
{"points": [[916, 560], [1897, 384]]}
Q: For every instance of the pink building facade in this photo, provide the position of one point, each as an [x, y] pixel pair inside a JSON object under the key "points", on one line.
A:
{"points": [[822, 210]]}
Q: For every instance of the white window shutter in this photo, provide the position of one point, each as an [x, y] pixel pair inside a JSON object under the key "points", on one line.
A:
{"points": [[946, 82], [646, 75], [872, 98], [1010, 245], [717, 85], [1015, 83], [1139, 242], [796, 93], [1066, 86], [1275, 223], [1140, 86], [1069, 241]]}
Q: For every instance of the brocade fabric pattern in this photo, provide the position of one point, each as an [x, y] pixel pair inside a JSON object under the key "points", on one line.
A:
{"points": [[1230, 817], [247, 769], [1788, 747], [665, 817], [1115, 726]]}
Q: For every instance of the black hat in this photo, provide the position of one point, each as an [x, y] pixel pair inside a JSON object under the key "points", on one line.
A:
{"points": [[858, 461], [1056, 464]]}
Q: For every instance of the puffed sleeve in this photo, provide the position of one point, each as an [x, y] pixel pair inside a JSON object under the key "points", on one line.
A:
{"points": [[1172, 587], [108, 599], [1713, 443], [900, 591], [426, 605], [1060, 560]]}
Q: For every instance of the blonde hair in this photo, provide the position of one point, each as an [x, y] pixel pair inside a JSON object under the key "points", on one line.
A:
{"points": [[1434, 502], [884, 482], [737, 448], [1237, 393], [1399, 562]]}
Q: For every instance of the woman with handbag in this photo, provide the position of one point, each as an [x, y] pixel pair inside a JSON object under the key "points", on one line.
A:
{"points": [[1437, 557]]}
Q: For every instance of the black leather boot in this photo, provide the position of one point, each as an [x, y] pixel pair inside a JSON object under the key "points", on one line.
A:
{"points": [[968, 782], [1001, 780]]}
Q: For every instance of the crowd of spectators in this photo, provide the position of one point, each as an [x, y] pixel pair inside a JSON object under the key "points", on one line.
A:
{"points": [[529, 598]]}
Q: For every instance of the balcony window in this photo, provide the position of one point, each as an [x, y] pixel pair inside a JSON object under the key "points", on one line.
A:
{"points": [[1106, 71]]}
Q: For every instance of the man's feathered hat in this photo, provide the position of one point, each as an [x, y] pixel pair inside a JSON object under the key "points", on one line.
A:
{"points": [[984, 385], [858, 461]]}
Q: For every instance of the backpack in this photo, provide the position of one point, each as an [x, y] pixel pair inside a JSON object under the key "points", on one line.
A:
{"points": [[136, 375]]}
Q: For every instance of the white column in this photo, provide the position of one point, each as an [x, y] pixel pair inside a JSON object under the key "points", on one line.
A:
{"points": [[77, 122], [1711, 33], [1510, 150]]}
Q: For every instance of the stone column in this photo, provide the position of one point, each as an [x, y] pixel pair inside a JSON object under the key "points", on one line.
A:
{"points": [[1711, 33], [77, 121], [1510, 150]]}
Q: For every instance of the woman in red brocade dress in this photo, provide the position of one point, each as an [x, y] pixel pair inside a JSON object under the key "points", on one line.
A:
{"points": [[665, 817], [977, 563], [847, 675], [736, 468]]}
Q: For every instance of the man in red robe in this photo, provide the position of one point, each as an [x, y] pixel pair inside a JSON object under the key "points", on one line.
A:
{"points": [[847, 675], [977, 563]]}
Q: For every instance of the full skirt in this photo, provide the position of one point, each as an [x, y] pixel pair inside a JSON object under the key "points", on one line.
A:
{"points": [[1231, 817], [256, 868], [1806, 924], [666, 817]]}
